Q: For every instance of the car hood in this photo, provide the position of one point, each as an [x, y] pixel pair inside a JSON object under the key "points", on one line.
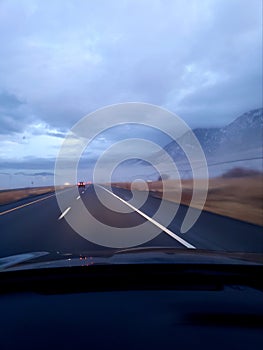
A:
{"points": [[153, 255]]}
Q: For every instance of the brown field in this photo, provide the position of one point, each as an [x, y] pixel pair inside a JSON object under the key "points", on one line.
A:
{"points": [[238, 197], [9, 196]]}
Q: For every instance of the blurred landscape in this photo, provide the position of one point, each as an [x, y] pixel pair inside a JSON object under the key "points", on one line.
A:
{"points": [[236, 144], [9, 196], [233, 156], [237, 194]]}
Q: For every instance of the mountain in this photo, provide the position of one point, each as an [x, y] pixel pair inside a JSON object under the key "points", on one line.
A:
{"points": [[245, 132], [242, 138], [236, 145]]}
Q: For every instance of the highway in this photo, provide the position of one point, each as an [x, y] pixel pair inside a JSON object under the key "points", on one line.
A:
{"points": [[38, 224]]}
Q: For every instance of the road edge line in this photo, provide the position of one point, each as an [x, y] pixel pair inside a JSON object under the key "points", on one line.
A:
{"points": [[163, 228]]}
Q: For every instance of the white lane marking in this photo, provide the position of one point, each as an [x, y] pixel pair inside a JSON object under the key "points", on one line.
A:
{"points": [[163, 228], [64, 213], [78, 197], [82, 191], [25, 205]]}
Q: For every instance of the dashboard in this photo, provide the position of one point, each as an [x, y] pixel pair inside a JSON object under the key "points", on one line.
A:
{"points": [[113, 311]]}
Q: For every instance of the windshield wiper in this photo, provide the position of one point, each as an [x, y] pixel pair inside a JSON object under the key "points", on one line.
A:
{"points": [[14, 260]]}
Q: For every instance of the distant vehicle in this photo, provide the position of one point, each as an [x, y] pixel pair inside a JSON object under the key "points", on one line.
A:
{"points": [[81, 184]]}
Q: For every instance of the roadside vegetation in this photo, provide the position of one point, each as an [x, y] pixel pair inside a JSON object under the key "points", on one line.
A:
{"points": [[237, 194], [9, 196]]}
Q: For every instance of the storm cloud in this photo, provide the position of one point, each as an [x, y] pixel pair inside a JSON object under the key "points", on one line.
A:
{"points": [[68, 58], [60, 60]]}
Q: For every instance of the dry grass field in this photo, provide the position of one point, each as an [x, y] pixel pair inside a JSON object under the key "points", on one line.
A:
{"points": [[237, 197], [9, 196]]}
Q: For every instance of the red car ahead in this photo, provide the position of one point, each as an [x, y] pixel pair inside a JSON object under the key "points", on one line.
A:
{"points": [[81, 184]]}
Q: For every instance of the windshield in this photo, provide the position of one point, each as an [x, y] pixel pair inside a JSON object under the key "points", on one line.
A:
{"points": [[131, 126]]}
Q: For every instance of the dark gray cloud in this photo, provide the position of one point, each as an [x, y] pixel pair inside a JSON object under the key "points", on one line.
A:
{"points": [[43, 173], [60, 60], [12, 113], [213, 104], [9, 101], [20, 167], [30, 163], [66, 59]]}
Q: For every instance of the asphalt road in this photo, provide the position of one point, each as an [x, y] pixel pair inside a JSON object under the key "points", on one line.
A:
{"points": [[38, 224]]}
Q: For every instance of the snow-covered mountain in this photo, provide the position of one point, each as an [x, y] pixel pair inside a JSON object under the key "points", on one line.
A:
{"points": [[243, 134], [238, 144], [239, 140]]}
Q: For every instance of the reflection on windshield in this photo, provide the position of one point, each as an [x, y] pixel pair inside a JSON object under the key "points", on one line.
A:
{"points": [[85, 169]]}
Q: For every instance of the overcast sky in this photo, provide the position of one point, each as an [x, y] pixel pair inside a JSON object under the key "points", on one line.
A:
{"points": [[60, 60]]}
